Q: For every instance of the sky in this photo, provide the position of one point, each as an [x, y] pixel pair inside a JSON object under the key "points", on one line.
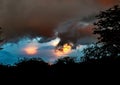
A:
{"points": [[28, 48], [60, 21]]}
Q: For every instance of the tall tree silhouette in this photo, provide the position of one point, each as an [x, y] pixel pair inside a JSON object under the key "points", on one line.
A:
{"points": [[108, 29]]}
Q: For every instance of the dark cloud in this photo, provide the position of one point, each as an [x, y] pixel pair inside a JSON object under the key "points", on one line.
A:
{"points": [[19, 18], [77, 32]]}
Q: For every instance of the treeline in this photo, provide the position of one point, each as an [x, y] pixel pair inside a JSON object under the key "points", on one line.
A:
{"points": [[66, 68]]}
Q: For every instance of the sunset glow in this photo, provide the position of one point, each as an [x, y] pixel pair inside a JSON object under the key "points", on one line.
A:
{"points": [[67, 48], [31, 50], [64, 50]]}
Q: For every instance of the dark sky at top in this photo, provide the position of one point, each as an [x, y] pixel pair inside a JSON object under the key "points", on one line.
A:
{"points": [[45, 17]]}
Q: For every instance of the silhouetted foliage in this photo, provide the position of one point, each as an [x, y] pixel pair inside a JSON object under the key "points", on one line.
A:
{"points": [[93, 52], [66, 60], [34, 70], [32, 62], [108, 29]]}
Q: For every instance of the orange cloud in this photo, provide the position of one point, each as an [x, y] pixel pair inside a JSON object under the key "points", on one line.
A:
{"points": [[107, 3], [30, 50]]}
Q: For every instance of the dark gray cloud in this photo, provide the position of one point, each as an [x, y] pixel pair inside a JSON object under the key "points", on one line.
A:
{"points": [[19, 18], [77, 32]]}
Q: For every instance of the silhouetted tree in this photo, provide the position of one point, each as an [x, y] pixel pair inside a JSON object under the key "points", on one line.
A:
{"points": [[93, 52], [108, 29], [66, 60]]}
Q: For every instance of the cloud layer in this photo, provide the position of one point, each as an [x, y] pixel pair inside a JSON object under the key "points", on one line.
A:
{"points": [[14, 53], [42, 17]]}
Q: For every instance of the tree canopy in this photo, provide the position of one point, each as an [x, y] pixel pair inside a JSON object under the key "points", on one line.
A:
{"points": [[107, 28]]}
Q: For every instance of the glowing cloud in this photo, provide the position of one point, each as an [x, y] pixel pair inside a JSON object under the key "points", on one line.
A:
{"points": [[63, 50], [31, 50]]}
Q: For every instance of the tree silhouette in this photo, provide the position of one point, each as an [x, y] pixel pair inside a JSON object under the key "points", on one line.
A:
{"points": [[66, 60], [108, 29], [92, 52]]}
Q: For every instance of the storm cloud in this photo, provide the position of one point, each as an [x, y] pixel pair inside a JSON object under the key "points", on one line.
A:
{"points": [[19, 18], [77, 32]]}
